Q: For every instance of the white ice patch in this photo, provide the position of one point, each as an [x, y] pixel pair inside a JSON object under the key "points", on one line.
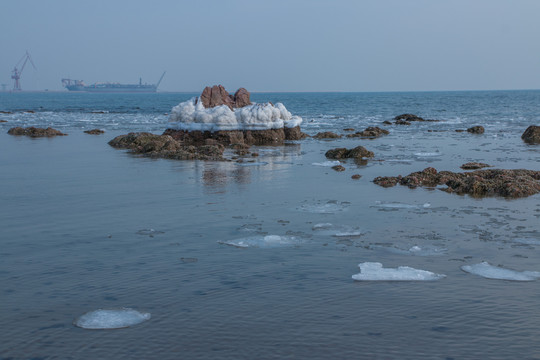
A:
{"points": [[268, 241], [111, 319], [336, 230], [427, 154], [397, 205], [192, 115], [374, 271], [424, 250], [527, 241], [489, 271], [329, 207], [327, 163]]}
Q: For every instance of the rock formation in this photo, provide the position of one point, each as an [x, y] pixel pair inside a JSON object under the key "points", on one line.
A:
{"points": [[476, 130], [35, 132], [94, 132], [532, 135], [480, 183], [406, 119], [217, 95], [358, 152], [327, 135], [370, 132], [474, 166]]}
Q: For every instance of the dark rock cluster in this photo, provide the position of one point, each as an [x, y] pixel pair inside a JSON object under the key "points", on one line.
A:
{"points": [[358, 152], [327, 135], [474, 166], [35, 132], [370, 132], [94, 132], [407, 119], [480, 183], [217, 95], [532, 135]]}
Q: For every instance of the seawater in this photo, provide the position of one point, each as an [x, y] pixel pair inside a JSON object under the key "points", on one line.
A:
{"points": [[86, 227]]}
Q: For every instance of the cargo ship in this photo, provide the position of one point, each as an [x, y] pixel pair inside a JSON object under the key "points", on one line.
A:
{"points": [[79, 85]]}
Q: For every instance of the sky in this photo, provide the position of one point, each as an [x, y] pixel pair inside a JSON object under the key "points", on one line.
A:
{"points": [[275, 45]]}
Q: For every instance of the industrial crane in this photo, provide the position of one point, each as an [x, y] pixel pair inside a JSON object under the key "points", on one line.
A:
{"points": [[17, 73]]}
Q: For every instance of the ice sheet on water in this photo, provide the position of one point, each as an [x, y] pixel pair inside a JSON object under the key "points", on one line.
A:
{"points": [[149, 232], [336, 230], [268, 241], [489, 271], [374, 271], [111, 319], [327, 163], [527, 241], [254, 163], [427, 154], [329, 207], [398, 205], [424, 250]]}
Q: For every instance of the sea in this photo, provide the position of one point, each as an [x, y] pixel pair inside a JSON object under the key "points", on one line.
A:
{"points": [[254, 259]]}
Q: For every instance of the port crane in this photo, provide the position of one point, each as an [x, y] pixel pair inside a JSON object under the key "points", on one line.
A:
{"points": [[16, 73]]}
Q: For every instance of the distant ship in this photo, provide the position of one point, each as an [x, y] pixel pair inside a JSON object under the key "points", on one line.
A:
{"points": [[79, 85]]}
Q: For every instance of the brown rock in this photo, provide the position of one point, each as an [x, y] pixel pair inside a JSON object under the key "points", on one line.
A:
{"points": [[532, 135], [474, 166], [215, 96], [408, 117], [35, 132], [338, 168], [294, 133], [348, 129], [356, 176], [358, 152], [241, 98], [3, 121], [370, 132], [480, 183], [476, 130], [327, 135], [94, 132]]}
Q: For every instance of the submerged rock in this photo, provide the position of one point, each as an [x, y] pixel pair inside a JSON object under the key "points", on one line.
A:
{"points": [[474, 166], [94, 132], [358, 152], [35, 132], [406, 119], [532, 135], [338, 168], [327, 135], [165, 146], [480, 183], [476, 130], [370, 132]]}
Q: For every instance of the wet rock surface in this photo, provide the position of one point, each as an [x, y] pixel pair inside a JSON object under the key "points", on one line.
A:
{"points": [[327, 135], [94, 132], [474, 166], [338, 168], [480, 183], [165, 146], [532, 135], [476, 130], [370, 132], [358, 152], [407, 119], [217, 95], [35, 132]]}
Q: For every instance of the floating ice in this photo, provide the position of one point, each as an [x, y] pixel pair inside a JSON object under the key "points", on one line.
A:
{"points": [[111, 319], [329, 207], [192, 115], [424, 250], [397, 205], [336, 230], [327, 163], [374, 271], [489, 271], [427, 154], [149, 232], [268, 241], [254, 163], [527, 241]]}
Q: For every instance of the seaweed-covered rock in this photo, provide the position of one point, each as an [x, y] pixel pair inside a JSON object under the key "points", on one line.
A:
{"points": [[370, 132], [480, 183], [358, 152], [35, 132], [165, 146], [94, 132], [474, 166], [476, 130], [532, 135], [327, 135]]}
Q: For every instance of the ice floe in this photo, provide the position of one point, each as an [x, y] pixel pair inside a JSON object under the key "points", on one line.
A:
{"points": [[268, 241], [327, 163], [328, 207], [374, 271], [398, 205], [427, 154], [111, 319], [489, 271], [192, 115], [527, 241], [336, 230], [424, 250]]}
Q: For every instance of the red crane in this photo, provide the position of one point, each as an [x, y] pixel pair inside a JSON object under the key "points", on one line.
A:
{"points": [[17, 73]]}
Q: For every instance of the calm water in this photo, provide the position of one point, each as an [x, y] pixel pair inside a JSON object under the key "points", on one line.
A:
{"points": [[85, 226]]}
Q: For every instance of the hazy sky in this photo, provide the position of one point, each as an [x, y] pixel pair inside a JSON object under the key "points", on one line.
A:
{"points": [[275, 45]]}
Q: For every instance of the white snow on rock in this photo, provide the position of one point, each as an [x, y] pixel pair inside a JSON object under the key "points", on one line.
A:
{"points": [[111, 319], [489, 271], [374, 271], [268, 241], [192, 115]]}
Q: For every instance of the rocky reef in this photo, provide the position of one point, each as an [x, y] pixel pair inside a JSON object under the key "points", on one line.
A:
{"points": [[327, 135], [358, 153], [407, 119], [474, 166], [532, 135], [35, 132], [369, 132], [480, 183], [94, 132]]}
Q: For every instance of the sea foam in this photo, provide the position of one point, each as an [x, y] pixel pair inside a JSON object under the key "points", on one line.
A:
{"points": [[111, 319], [374, 271], [489, 271], [192, 115], [268, 241]]}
